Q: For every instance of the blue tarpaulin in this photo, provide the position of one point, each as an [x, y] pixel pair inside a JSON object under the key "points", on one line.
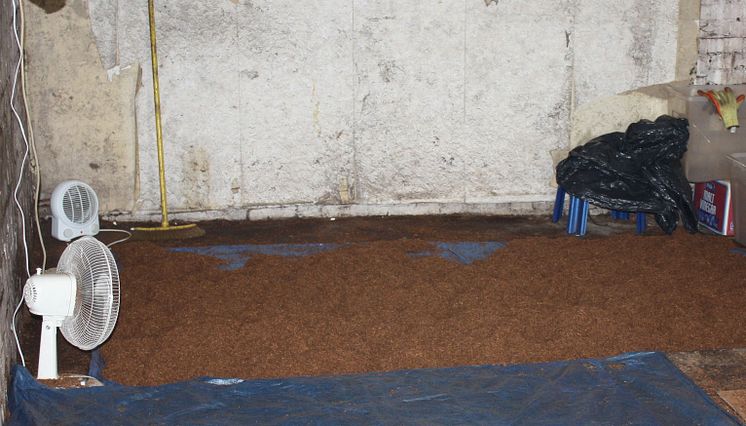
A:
{"points": [[639, 388], [466, 252], [738, 250], [236, 256]]}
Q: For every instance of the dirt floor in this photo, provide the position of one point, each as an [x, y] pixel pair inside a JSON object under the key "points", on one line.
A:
{"points": [[372, 306]]}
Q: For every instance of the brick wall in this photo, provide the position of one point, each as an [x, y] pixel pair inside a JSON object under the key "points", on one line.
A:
{"points": [[12, 272], [722, 42]]}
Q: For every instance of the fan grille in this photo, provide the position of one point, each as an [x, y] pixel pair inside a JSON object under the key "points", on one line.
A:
{"points": [[97, 298], [29, 294], [79, 204]]}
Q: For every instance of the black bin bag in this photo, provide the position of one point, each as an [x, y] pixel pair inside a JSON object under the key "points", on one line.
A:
{"points": [[636, 171]]}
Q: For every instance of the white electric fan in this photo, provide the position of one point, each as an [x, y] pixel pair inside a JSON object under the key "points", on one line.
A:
{"points": [[81, 298], [74, 210]]}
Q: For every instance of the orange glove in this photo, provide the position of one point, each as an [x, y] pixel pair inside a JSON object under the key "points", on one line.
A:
{"points": [[726, 104]]}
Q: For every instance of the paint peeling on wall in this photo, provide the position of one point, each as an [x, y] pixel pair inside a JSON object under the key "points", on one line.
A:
{"points": [[81, 115]]}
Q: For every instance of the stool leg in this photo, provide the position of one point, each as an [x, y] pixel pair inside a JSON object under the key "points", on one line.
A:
{"points": [[572, 222], [584, 218], [559, 205], [642, 223]]}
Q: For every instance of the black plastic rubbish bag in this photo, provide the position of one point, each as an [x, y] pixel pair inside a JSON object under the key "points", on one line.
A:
{"points": [[636, 171]]}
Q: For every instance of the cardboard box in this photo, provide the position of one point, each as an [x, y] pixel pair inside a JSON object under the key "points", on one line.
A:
{"points": [[712, 204], [710, 142]]}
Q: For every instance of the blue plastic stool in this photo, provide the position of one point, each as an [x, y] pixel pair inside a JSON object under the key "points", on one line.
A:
{"points": [[559, 204], [577, 223], [641, 222]]}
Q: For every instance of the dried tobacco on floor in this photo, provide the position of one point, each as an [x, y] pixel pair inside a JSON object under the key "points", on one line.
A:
{"points": [[371, 306]]}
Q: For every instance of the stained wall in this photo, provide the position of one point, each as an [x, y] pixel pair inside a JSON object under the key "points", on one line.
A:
{"points": [[284, 108], [722, 42]]}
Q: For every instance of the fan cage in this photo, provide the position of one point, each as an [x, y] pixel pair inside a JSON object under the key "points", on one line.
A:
{"points": [[79, 203], [97, 299], [29, 294]]}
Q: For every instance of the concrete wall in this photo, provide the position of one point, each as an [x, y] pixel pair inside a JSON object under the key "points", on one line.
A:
{"points": [[688, 43], [326, 107], [614, 113], [12, 271], [84, 123], [722, 42]]}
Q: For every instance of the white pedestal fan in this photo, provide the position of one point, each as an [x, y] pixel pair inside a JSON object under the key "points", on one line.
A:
{"points": [[81, 298]]}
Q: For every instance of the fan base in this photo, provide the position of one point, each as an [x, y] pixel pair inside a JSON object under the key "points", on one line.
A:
{"points": [[71, 381]]}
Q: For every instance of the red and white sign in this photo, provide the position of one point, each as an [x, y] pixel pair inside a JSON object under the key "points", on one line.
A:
{"points": [[713, 206]]}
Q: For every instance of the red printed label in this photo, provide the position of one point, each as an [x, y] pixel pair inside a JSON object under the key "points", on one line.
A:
{"points": [[712, 201]]}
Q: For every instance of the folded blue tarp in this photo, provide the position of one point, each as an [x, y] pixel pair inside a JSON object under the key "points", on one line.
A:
{"points": [[640, 388]]}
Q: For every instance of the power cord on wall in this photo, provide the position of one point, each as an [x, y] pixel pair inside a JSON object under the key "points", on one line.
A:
{"points": [[34, 156], [19, 32]]}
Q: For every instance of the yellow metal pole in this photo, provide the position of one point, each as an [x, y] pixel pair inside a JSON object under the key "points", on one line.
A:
{"points": [[165, 231], [157, 102]]}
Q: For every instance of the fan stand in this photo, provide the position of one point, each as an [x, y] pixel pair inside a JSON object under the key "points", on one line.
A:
{"points": [[48, 348], [47, 372]]}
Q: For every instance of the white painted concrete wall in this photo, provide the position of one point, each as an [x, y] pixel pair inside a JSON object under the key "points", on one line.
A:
{"points": [[84, 124], [373, 103], [722, 43]]}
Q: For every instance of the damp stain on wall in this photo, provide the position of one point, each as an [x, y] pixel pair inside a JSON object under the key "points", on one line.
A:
{"points": [[196, 177]]}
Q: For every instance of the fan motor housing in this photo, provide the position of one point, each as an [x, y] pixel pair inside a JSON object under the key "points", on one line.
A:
{"points": [[74, 207], [50, 294]]}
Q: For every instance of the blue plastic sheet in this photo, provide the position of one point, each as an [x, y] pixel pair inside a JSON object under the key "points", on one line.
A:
{"points": [[738, 250], [236, 256], [462, 252], [97, 365], [640, 388]]}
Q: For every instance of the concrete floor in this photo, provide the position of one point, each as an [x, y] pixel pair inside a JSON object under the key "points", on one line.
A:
{"points": [[388, 228], [721, 373]]}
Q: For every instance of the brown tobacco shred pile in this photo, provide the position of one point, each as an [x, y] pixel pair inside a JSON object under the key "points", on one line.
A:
{"points": [[372, 307]]}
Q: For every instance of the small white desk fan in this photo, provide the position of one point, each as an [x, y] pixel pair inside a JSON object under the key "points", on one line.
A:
{"points": [[81, 298], [74, 207]]}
